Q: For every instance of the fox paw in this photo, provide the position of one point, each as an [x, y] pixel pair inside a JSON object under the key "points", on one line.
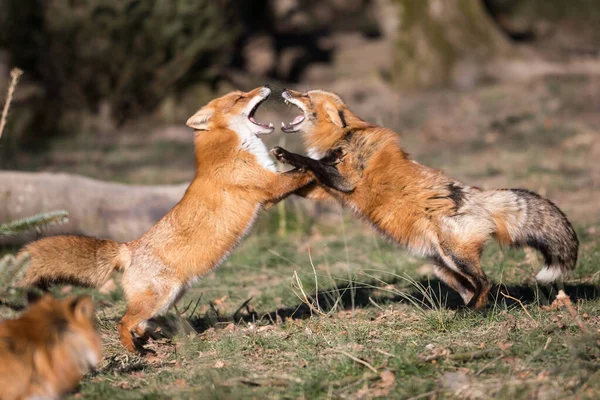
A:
{"points": [[280, 154]]}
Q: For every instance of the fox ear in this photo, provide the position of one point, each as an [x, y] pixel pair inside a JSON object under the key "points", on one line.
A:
{"points": [[334, 115], [199, 121], [83, 308]]}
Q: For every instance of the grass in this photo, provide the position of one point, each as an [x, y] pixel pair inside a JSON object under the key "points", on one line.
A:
{"points": [[404, 336]]}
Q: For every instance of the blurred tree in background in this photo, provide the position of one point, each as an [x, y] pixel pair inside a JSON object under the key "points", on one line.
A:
{"points": [[92, 63], [122, 54], [435, 36]]}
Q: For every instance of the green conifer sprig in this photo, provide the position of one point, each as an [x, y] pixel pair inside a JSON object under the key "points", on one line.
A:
{"points": [[12, 268], [37, 222]]}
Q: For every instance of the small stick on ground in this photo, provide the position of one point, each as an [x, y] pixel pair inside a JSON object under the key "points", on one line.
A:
{"points": [[385, 353], [423, 395], [358, 360], [563, 299], [522, 306], [466, 356], [15, 74], [487, 365]]}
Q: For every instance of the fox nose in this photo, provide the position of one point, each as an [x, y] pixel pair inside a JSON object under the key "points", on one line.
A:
{"points": [[267, 86]]}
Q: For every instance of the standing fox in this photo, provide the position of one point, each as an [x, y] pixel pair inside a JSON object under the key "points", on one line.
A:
{"points": [[45, 352], [235, 178], [363, 166]]}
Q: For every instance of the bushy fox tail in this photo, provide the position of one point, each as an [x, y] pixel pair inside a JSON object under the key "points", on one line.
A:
{"points": [[524, 218], [78, 260]]}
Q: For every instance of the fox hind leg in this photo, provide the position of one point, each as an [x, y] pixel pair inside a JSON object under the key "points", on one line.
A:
{"points": [[141, 307], [456, 281], [464, 267]]}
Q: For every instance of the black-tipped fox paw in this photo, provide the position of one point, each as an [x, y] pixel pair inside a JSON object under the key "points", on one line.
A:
{"points": [[279, 153]]}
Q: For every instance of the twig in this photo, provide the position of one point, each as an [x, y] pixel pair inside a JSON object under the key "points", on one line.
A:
{"points": [[385, 353], [15, 74], [466, 356], [487, 365], [423, 395], [563, 299], [522, 306], [358, 360]]}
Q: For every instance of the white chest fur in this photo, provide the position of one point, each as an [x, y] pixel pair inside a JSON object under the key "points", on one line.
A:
{"points": [[256, 147], [253, 145]]}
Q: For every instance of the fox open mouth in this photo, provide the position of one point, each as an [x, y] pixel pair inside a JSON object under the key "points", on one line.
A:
{"points": [[251, 114], [293, 126]]}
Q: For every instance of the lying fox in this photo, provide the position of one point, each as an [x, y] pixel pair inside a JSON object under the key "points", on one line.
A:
{"points": [[235, 178], [364, 167], [46, 352]]}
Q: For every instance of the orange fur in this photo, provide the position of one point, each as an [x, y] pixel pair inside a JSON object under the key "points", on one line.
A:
{"points": [[364, 167], [235, 178], [45, 352]]}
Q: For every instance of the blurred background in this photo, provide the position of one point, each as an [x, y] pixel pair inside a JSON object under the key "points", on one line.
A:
{"points": [[498, 92]]}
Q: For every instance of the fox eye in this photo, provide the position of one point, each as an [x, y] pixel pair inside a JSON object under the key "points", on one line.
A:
{"points": [[239, 98]]}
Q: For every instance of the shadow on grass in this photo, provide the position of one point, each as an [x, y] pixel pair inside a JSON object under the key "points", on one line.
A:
{"points": [[363, 296]]}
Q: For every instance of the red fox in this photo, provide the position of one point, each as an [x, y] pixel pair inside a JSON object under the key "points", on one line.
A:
{"points": [[364, 167], [235, 178], [46, 352]]}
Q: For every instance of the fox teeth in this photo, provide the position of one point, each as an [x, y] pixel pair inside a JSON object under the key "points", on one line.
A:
{"points": [[282, 125], [270, 124], [287, 102]]}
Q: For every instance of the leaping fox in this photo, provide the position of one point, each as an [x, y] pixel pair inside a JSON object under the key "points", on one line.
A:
{"points": [[364, 167], [235, 178]]}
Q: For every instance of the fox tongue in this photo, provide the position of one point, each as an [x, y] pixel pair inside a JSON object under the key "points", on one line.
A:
{"points": [[298, 119]]}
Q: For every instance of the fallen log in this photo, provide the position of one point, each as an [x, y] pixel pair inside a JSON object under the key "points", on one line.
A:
{"points": [[102, 209]]}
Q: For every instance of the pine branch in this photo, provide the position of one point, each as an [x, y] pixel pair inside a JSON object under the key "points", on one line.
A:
{"points": [[36, 222], [15, 74], [11, 269]]}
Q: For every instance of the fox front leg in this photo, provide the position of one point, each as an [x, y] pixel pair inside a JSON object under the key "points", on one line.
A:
{"points": [[280, 185], [326, 172]]}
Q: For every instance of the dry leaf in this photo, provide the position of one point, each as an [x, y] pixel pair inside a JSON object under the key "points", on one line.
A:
{"points": [[180, 382], [219, 364], [220, 301], [504, 346], [230, 327], [387, 378]]}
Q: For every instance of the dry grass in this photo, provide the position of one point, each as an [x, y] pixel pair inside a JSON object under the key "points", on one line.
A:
{"points": [[15, 74]]}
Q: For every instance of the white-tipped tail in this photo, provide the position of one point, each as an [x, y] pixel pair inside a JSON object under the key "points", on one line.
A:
{"points": [[549, 274]]}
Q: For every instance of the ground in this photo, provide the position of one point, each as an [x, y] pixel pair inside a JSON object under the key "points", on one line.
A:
{"points": [[381, 325]]}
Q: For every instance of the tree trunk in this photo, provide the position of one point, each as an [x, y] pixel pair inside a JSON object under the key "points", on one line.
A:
{"points": [[101, 209], [441, 42]]}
